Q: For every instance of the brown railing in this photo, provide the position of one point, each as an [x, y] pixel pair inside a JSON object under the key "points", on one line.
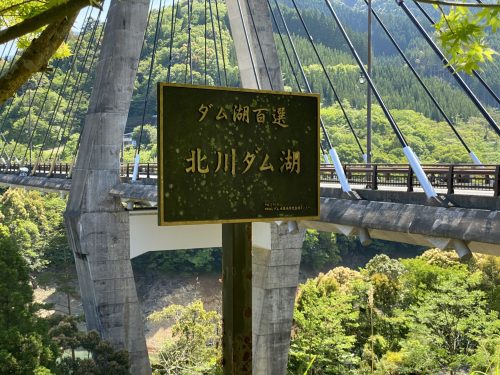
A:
{"points": [[146, 170], [442, 176]]}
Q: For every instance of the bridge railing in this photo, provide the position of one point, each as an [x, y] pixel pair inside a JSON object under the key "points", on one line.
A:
{"points": [[42, 169], [450, 177], [145, 170]]}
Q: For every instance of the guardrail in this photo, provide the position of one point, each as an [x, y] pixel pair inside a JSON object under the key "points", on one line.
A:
{"points": [[40, 170], [442, 176]]}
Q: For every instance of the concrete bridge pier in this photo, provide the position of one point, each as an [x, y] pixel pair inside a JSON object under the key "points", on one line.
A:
{"points": [[275, 274], [275, 271], [97, 224]]}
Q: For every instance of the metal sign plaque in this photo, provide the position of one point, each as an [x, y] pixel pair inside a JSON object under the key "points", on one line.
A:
{"points": [[233, 155]]}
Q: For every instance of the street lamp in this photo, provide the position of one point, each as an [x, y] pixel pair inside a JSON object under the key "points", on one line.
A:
{"points": [[369, 90], [362, 78]]}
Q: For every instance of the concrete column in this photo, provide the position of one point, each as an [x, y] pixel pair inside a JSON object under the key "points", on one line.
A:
{"points": [[275, 271], [97, 224], [275, 275], [255, 56]]}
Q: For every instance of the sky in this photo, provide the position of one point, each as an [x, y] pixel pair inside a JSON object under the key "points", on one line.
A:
{"points": [[81, 17], [79, 21]]}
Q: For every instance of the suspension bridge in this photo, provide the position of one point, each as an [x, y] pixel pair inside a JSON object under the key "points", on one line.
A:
{"points": [[111, 209]]}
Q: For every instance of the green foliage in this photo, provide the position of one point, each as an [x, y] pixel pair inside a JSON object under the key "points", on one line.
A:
{"points": [[101, 357], [148, 137], [426, 315], [13, 12], [320, 250], [463, 32], [188, 261], [449, 317], [24, 344], [382, 264], [415, 113], [195, 345], [35, 223], [321, 320], [432, 141], [30, 344]]}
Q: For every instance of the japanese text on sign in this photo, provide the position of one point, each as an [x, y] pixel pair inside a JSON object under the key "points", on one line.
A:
{"points": [[241, 113], [231, 155]]}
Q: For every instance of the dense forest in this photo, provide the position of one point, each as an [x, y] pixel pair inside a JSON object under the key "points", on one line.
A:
{"points": [[427, 315], [369, 312], [59, 96], [385, 309]]}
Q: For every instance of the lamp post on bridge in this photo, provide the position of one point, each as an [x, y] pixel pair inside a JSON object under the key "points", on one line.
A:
{"points": [[369, 91], [30, 145], [362, 80]]}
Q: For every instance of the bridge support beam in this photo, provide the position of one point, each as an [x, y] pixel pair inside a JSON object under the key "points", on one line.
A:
{"points": [[275, 275], [275, 271], [97, 224]]}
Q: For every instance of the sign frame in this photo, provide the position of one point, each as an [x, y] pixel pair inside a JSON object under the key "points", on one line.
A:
{"points": [[161, 167]]}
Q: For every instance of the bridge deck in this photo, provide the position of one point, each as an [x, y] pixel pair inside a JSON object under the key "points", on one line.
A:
{"points": [[389, 213]]}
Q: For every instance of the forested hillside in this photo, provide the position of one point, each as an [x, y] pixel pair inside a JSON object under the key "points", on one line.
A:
{"points": [[59, 104], [373, 310]]}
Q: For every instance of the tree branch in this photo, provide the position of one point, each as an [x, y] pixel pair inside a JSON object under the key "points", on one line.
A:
{"points": [[458, 4], [17, 5], [36, 56], [47, 17]]}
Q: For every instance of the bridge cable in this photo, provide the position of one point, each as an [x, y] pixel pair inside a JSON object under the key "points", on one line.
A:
{"points": [[30, 102], [8, 108], [63, 87], [326, 138], [215, 42], [344, 183], [64, 84], [221, 42], [450, 68], [173, 23], [24, 93], [51, 80], [475, 72], [141, 55], [24, 122], [11, 62], [325, 71], [424, 86], [304, 77], [95, 53], [2, 53], [4, 105], [159, 18], [44, 100], [11, 102], [7, 55], [62, 130], [408, 152], [252, 57], [205, 37], [294, 73], [250, 12], [189, 57], [31, 99], [143, 45], [90, 70]]}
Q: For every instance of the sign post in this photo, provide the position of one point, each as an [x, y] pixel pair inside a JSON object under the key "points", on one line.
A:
{"points": [[237, 298], [235, 156]]}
